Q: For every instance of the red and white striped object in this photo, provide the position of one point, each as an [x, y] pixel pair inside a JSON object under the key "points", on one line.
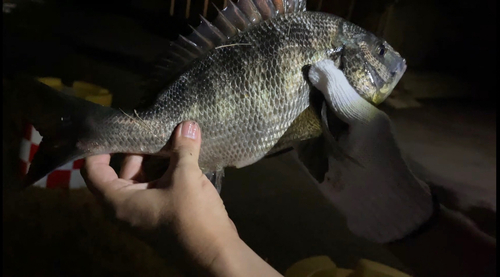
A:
{"points": [[67, 176]]}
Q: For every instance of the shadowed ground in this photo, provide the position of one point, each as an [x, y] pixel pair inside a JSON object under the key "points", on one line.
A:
{"points": [[276, 208]]}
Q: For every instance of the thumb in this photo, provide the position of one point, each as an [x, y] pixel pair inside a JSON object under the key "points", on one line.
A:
{"points": [[186, 143]]}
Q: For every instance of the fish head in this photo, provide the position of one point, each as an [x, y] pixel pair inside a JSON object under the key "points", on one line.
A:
{"points": [[369, 63]]}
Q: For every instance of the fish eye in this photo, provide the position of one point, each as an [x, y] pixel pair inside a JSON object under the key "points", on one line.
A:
{"points": [[381, 50]]}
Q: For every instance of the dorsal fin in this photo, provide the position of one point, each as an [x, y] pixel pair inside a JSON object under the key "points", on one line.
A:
{"points": [[250, 10], [236, 16], [211, 32], [224, 24], [266, 9], [229, 22]]}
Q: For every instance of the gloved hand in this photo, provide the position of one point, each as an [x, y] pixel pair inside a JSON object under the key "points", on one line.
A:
{"points": [[379, 196]]}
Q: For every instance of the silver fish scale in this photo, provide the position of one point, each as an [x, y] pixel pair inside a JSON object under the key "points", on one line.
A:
{"points": [[244, 97]]}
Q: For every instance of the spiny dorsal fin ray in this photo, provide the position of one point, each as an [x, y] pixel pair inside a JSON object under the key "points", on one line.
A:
{"points": [[236, 16], [266, 9], [224, 24], [200, 40], [280, 6], [183, 51], [229, 22], [250, 10], [211, 32], [189, 45]]}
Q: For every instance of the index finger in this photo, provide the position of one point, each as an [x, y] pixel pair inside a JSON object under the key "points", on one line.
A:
{"points": [[131, 167], [97, 173]]}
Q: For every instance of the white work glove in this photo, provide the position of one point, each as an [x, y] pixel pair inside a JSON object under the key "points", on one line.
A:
{"points": [[380, 197]]}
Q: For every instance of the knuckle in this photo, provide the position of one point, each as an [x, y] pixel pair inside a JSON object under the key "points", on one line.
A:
{"points": [[183, 150]]}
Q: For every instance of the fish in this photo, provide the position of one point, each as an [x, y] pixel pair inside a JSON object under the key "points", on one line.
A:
{"points": [[241, 77]]}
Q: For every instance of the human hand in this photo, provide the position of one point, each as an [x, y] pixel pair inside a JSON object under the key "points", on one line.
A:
{"points": [[182, 199]]}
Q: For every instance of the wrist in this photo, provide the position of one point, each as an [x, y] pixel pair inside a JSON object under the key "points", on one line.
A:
{"points": [[209, 248], [224, 259], [236, 258]]}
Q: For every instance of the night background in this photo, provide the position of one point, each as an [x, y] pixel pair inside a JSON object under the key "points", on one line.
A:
{"points": [[443, 109]]}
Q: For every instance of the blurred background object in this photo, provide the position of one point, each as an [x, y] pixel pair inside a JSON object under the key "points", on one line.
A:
{"points": [[447, 130]]}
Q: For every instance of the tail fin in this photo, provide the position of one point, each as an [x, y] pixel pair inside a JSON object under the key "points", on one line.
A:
{"points": [[61, 120]]}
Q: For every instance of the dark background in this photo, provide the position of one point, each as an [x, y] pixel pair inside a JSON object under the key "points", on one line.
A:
{"points": [[450, 47], [453, 37]]}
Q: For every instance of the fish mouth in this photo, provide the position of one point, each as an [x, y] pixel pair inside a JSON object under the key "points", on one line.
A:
{"points": [[387, 89]]}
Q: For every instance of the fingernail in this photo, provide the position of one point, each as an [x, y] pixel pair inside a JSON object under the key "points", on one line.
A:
{"points": [[189, 129]]}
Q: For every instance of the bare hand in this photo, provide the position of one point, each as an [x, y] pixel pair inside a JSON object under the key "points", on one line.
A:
{"points": [[182, 199]]}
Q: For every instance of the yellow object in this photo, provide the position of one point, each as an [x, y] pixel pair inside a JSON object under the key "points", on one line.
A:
{"points": [[366, 268], [322, 266], [342, 272], [54, 83], [83, 89], [87, 91], [103, 99]]}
